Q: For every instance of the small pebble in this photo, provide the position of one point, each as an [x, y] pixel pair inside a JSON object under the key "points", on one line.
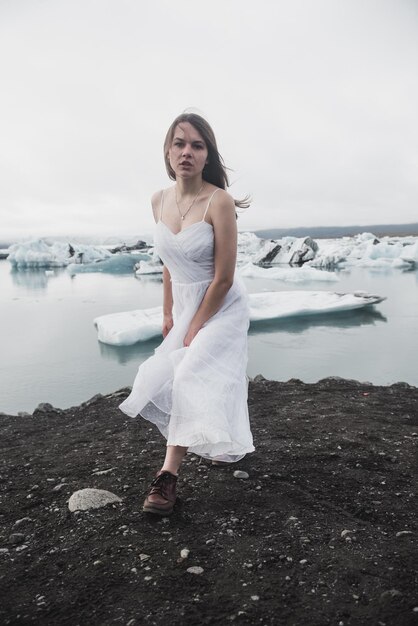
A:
{"points": [[60, 487], [144, 557], [184, 553], [96, 563], [401, 533], [22, 521], [241, 474], [195, 570], [344, 533], [22, 547], [16, 538], [209, 542], [255, 598]]}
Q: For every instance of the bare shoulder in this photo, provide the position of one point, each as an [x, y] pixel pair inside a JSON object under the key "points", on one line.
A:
{"points": [[156, 199], [222, 206]]}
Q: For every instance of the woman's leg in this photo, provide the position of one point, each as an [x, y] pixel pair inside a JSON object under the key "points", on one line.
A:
{"points": [[162, 494], [173, 458]]}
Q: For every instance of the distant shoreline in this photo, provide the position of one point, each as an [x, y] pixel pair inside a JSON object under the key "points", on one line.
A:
{"points": [[319, 232], [334, 232]]}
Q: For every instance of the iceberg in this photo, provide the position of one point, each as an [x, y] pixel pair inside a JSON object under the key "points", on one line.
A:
{"points": [[293, 275], [119, 263], [366, 250], [124, 329], [410, 253], [145, 268], [271, 305], [41, 253], [288, 251]]}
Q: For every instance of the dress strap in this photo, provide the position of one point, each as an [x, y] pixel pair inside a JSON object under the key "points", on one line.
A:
{"points": [[161, 205], [208, 205]]}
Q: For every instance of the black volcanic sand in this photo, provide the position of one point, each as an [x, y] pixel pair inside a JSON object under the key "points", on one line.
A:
{"points": [[324, 531]]}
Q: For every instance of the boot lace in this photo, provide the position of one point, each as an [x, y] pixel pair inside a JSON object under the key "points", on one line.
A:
{"points": [[162, 484]]}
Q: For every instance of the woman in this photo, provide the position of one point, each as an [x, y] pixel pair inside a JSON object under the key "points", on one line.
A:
{"points": [[194, 387]]}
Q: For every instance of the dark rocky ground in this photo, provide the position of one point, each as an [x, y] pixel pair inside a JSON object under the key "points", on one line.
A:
{"points": [[324, 531]]}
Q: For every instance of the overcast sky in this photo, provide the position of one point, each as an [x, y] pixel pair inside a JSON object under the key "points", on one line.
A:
{"points": [[314, 104]]}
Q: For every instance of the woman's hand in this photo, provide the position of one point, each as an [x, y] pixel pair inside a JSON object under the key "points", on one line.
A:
{"points": [[191, 334], [167, 324]]}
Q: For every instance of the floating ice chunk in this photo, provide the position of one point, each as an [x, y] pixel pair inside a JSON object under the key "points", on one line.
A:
{"points": [[289, 251], [41, 253], [365, 250], [148, 267], [410, 253], [295, 274], [301, 250], [267, 251], [116, 264], [123, 329], [366, 237], [275, 305], [249, 245]]}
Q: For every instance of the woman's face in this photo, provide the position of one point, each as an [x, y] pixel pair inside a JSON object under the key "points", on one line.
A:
{"points": [[188, 152]]}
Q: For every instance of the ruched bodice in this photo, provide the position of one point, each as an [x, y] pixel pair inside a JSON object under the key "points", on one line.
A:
{"points": [[197, 395], [188, 254]]}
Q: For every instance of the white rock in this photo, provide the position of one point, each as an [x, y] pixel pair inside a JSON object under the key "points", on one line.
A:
{"points": [[23, 547], [59, 487], [345, 532], [18, 522], [241, 474], [185, 553], [195, 570], [401, 533], [85, 499], [98, 472]]}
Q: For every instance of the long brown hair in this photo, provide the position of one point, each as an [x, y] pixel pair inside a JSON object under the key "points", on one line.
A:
{"points": [[214, 171]]}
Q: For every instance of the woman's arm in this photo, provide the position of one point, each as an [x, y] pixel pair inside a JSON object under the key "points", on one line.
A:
{"points": [[225, 229], [167, 292], [167, 303]]}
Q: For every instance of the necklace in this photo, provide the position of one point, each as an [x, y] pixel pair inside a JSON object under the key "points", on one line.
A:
{"points": [[183, 215]]}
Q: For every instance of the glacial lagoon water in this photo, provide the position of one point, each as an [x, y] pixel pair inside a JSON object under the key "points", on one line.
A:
{"points": [[50, 351]]}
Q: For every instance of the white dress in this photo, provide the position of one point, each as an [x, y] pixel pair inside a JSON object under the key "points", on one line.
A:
{"points": [[197, 395]]}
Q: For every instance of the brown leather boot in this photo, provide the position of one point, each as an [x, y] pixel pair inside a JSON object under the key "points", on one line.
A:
{"points": [[162, 494]]}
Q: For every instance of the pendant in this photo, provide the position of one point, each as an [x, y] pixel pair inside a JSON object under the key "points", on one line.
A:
{"points": [[182, 217]]}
